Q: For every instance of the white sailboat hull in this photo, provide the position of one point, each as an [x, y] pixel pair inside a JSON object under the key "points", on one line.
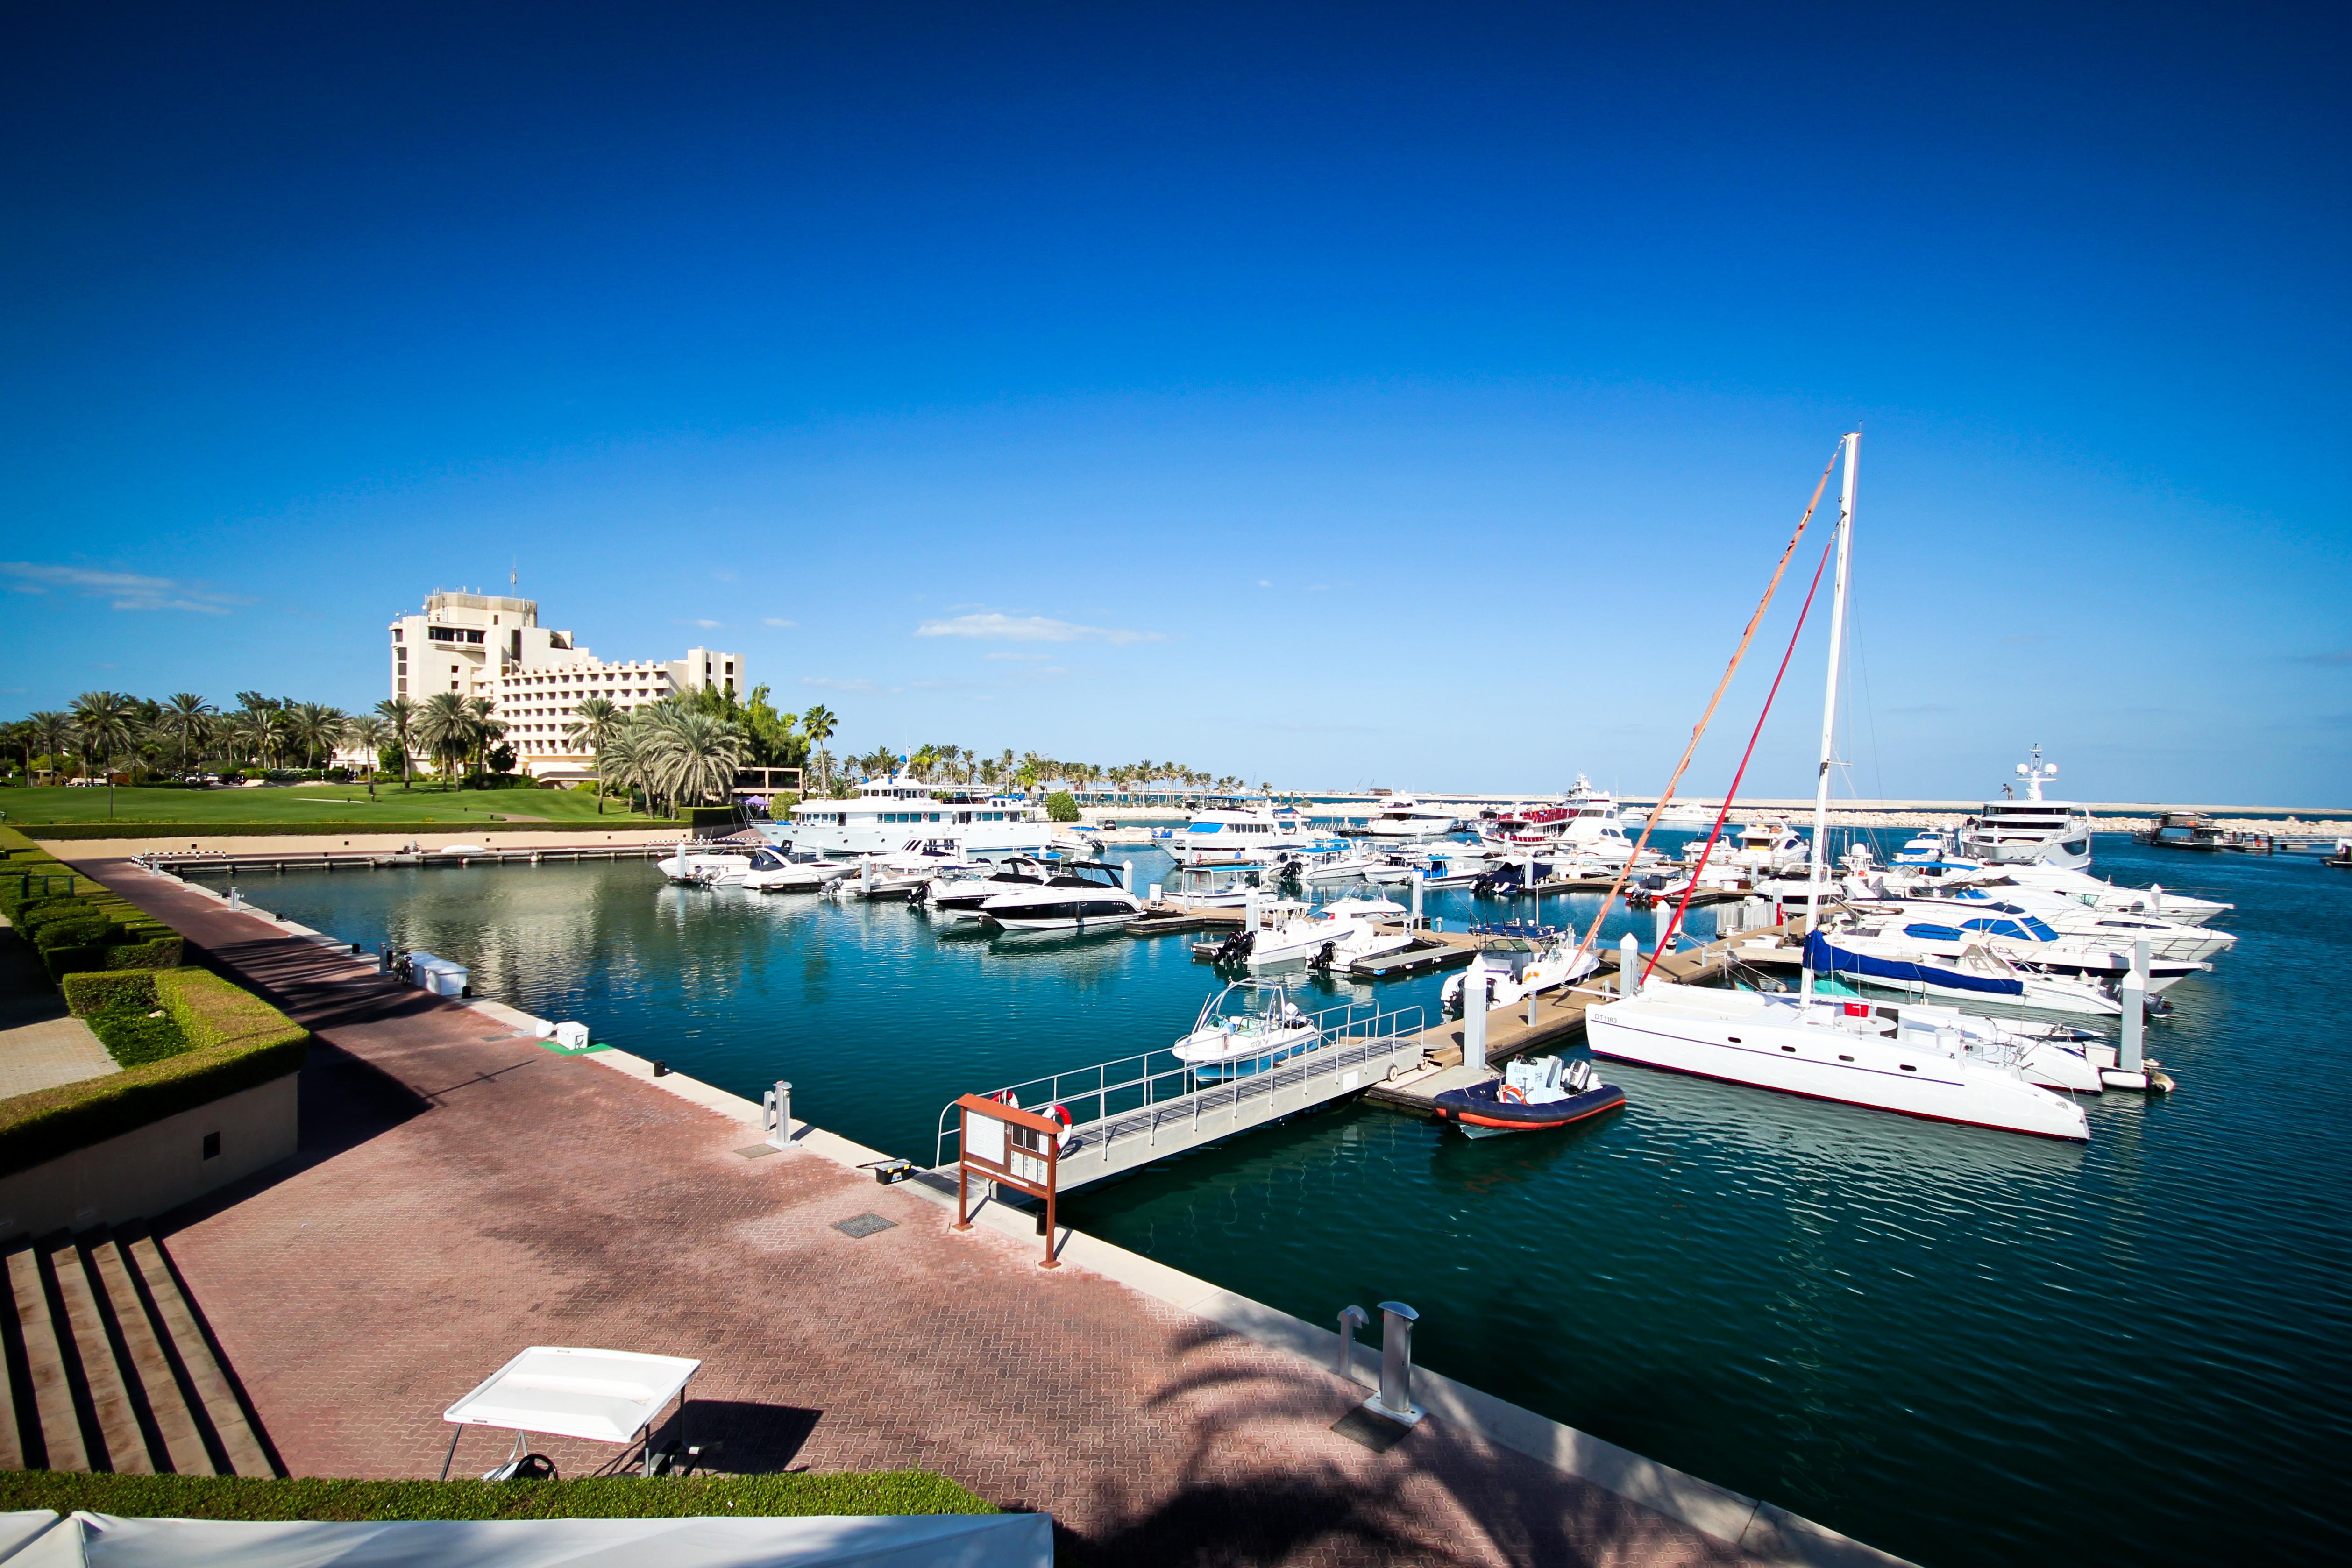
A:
{"points": [[1818, 1062]]}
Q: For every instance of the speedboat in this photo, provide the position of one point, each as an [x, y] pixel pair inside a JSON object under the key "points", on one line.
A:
{"points": [[1532, 1094], [2032, 831], [902, 877], [1340, 865], [1455, 865], [962, 890], [1078, 894], [1246, 1028], [1976, 972], [1517, 968], [688, 862], [1222, 884], [1333, 936], [1940, 932]]}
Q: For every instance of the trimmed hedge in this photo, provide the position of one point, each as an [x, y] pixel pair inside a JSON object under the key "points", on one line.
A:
{"points": [[96, 991], [238, 1041], [57, 832], [75, 932], [134, 1040], [602, 1497]]}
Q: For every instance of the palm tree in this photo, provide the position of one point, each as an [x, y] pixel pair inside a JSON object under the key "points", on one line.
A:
{"points": [[399, 716], [315, 727], [104, 719], [487, 728], [53, 732], [818, 723], [370, 735], [593, 723], [187, 719], [621, 759], [445, 729], [693, 756]]}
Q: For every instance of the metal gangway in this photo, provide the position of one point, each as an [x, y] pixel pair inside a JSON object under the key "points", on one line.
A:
{"points": [[1137, 1109]]}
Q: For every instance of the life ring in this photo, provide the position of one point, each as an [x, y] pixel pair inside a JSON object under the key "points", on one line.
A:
{"points": [[1511, 1093], [1005, 1097], [1061, 1113]]}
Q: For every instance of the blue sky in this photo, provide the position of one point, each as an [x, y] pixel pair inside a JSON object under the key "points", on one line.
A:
{"points": [[1334, 395]]}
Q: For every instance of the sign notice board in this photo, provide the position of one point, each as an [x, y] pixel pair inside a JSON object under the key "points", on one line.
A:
{"points": [[1011, 1147]]}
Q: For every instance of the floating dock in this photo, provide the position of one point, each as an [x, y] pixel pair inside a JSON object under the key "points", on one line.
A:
{"points": [[183, 862]]}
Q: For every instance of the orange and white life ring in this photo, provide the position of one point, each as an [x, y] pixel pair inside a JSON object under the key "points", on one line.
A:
{"points": [[1512, 1094]]}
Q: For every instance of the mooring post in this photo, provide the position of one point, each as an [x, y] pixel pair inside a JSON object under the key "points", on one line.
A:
{"points": [[1416, 898], [1660, 914], [1629, 964], [2139, 961], [2155, 900], [1396, 1362], [2129, 1055], [1473, 1013], [1350, 1319], [776, 1111]]}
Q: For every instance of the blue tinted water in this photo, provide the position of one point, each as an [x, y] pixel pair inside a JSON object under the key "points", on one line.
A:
{"points": [[1961, 1345]]}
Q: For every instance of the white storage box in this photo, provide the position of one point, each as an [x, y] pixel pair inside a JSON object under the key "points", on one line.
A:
{"points": [[438, 975], [571, 1036]]}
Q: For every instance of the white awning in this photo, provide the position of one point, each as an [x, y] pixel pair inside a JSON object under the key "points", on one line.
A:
{"points": [[930, 1541]]}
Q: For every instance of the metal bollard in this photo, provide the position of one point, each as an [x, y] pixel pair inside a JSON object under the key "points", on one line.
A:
{"points": [[1350, 1319], [776, 1114], [235, 899], [1531, 1009], [1395, 1398], [1629, 964], [1660, 914], [2155, 900]]}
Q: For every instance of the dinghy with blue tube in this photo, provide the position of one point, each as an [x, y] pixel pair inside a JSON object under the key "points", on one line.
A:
{"points": [[1530, 1097]]}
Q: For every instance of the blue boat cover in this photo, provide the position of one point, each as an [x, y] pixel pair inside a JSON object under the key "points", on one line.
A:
{"points": [[1825, 958]]}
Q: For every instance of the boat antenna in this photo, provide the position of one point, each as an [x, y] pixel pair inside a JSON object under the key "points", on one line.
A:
{"points": [[1829, 718]]}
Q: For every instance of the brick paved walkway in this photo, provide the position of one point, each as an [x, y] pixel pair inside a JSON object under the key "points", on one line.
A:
{"points": [[460, 1197]]}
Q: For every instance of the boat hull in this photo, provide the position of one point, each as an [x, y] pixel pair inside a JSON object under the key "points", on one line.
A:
{"points": [[1817, 1063], [1481, 1112]]}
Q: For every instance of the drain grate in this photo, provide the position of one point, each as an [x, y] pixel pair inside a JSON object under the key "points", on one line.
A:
{"points": [[864, 1224], [758, 1151], [1373, 1430]]}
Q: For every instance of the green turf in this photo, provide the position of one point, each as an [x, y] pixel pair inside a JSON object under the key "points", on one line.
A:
{"points": [[305, 803], [236, 1496]]}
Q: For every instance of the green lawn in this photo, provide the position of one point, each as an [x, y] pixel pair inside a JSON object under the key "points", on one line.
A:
{"points": [[231, 1497], [304, 803]]}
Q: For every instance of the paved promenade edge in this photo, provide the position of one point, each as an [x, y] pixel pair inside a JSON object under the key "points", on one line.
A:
{"points": [[1761, 1530]]}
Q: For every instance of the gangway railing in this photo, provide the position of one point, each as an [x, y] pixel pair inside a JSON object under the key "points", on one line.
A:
{"points": [[1134, 1109]]}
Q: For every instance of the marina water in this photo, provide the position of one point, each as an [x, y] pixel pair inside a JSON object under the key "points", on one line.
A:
{"points": [[1962, 1346]]}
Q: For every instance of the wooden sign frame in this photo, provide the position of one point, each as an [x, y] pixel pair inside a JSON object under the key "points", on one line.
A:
{"points": [[1011, 1147]]}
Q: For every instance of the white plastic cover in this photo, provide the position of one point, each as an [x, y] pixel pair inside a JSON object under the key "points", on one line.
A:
{"points": [[605, 1396], [937, 1541]]}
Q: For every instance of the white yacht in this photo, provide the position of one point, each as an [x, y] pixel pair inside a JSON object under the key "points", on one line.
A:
{"points": [[1333, 936], [2031, 831], [1078, 895], [777, 871], [708, 864], [1246, 1028], [1828, 1048], [889, 814], [1930, 856], [1247, 834], [962, 890], [1402, 820], [1587, 827]]}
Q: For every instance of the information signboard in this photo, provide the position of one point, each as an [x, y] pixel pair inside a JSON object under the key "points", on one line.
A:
{"points": [[1011, 1147]]}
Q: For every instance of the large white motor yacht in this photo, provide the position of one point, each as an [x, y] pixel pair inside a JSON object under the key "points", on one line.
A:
{"points": [[887, 814], [1404, 820], [1248, 834], [2033, 831]]}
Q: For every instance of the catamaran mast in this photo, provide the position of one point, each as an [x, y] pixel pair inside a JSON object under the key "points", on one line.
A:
{"points": [[1829, 711]]}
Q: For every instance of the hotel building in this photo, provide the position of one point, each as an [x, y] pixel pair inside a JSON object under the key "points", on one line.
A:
{"points": [[484, 646]]}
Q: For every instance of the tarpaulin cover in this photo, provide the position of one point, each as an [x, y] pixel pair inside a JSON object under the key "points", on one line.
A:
{"points": [[927, 1540], [1824, 958]]}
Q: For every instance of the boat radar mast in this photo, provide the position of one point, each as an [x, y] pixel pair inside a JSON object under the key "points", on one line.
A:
{"points": [[2036, 774]]}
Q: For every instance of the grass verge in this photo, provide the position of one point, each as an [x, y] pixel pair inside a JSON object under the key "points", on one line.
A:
{"points": [[291, 806], [622, 1496]]}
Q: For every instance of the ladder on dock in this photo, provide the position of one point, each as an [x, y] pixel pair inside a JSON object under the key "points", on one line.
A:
{"points": [[1137, 1109]]}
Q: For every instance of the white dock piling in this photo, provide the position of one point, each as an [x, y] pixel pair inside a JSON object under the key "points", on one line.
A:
{"points": [[776, 1111], [1660, 914], [1474, 1014], [1416, 898], [1629, 963], [2130, 1057]]}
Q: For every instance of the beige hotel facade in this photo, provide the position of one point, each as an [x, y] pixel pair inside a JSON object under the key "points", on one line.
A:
{"points": [[488, 646]]}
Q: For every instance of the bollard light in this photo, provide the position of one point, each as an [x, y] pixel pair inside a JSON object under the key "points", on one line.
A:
{"points": [[1395, 1397], [1350, 1319]]}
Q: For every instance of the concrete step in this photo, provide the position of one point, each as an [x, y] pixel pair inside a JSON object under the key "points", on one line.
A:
{"points": [[109, 1364]]}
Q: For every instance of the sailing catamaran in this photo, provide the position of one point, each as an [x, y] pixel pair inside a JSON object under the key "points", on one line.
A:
{"points": [[1833, 1048]]}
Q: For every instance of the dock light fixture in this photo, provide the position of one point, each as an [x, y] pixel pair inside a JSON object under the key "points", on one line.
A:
{"points": [[1350, 1319], [1395, 1398]]}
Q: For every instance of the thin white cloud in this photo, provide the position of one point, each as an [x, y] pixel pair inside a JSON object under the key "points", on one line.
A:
{"points": [[774, 621], [1017, 658], [125, 590], [826, 683], [996, 627], [710, 625]]}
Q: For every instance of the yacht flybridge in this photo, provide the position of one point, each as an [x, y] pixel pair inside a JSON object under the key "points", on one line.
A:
{"points": [[1250, 834], [893, 813], [1833, 1049], [2033, 831]]}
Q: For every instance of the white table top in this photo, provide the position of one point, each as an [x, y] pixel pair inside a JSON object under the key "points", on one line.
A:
{"points": [[607, 1395]]}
